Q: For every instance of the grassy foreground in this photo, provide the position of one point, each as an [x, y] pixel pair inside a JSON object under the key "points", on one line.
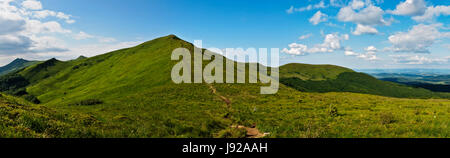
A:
{"points": [[286, 115]]}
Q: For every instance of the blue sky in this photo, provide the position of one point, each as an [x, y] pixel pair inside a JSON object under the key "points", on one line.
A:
{"points": [[352, 33]]}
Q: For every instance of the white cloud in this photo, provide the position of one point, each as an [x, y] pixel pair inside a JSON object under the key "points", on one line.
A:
{"points": [[41, 14], [32, 5], [370, 54], [47, 44], [296, 49], [85, 50], [357, 4], [420, 11], [83, 35], [370, 15], [432, 12], [418, 60], [71, 53], [331, 43], [38, 27], [319, 5], [350, 53], [290, 10], [25, 29], [371, 49], [337, 3], [363, 29], [318, 18], [302, 37], [410, 7], [418, 39]]}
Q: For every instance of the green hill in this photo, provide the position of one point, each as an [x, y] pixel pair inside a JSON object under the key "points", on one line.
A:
{"points": [[129, 93], [312, 72], [16, 65], [318, 78]]}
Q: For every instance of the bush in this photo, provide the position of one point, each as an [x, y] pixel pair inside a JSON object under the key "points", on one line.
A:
{"points": [[35, 123], [333, 111], [387, 118], [232, 133], [32, 99], [88, 102]]}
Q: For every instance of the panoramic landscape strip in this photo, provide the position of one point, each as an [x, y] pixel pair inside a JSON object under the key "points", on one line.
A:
{"points": [[224, 69]]}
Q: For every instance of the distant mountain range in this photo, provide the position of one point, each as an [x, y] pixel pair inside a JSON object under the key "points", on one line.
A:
{"points": [[437, 80], [15, 65], [407, 71]]}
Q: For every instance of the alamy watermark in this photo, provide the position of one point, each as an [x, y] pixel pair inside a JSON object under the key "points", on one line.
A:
{"points": [[192, 69]]}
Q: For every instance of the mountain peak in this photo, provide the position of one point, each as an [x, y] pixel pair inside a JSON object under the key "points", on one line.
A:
{"points": [[172, 36], [16, 64], [167, 40], [81, 57], [19, 60]]}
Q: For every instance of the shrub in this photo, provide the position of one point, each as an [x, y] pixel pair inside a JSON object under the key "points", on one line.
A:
{"points": [[18, 92], [88, 102], [35, 123], [232, 133], [333, 111], [32, 99], [387, 118]]}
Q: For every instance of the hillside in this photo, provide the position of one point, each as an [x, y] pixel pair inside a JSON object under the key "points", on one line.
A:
{"points": [[129, 93], [312, 72], [22, 119], [338, 79], [16, 65]]}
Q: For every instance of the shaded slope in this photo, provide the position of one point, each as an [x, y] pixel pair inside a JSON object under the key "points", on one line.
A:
{"points": [[44, 70]]}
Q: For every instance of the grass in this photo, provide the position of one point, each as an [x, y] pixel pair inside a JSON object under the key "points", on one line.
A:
{"points": [[361, 83], [22, 119], [129, 93]]}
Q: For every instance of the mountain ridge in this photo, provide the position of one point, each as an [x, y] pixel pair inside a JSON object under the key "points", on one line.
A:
{"points": [[129, 93], [46, 78]]}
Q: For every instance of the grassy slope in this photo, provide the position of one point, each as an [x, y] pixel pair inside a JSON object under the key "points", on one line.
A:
{"points": [[141, 101], [312, 72], [317, 78], [22, 119]]}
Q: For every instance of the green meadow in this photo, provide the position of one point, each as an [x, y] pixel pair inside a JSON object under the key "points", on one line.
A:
{"points": [[129, 93]]}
